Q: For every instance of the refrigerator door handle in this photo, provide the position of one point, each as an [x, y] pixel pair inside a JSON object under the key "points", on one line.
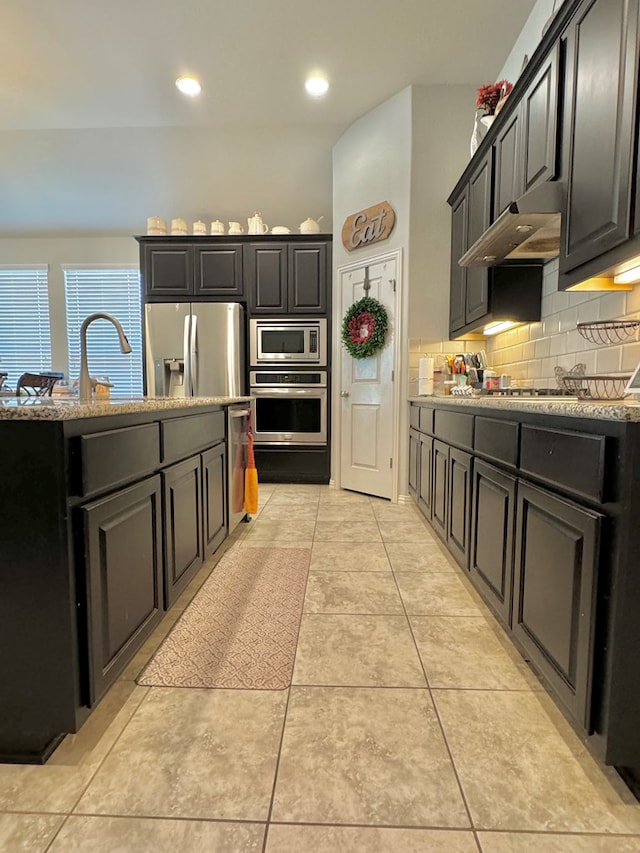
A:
{"points": [[193, 355], [187, 356]]}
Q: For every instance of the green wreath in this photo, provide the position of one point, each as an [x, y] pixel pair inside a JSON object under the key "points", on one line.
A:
{"points": [[364, 327]]}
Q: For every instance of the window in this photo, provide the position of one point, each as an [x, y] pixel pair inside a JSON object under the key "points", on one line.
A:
{"points": [[111, 290], [25, 325]]}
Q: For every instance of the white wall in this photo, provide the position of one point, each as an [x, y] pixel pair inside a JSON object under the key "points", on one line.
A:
{"points": [[529, 38], [69, 250], [409, 151]]}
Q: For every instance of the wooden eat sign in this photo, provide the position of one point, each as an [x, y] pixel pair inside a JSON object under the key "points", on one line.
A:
{"points": [[368, 226]]}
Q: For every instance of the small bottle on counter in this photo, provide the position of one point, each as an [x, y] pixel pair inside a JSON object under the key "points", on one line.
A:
{"points": [[490, 380]]}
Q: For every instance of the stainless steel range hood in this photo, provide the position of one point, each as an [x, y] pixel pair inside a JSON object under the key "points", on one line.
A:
{"points": [[528, 228]]}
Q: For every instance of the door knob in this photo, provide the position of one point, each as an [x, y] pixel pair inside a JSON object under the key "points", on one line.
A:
{"points": [[344, 393]]}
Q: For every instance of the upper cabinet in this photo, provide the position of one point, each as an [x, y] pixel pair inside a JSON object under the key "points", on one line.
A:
{"points": [[187, 270], [285, 278], [599, 129], [272, 275], [481, 295]]}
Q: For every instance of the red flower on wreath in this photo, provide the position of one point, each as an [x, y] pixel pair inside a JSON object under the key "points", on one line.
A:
{"points": [[361, 327]]}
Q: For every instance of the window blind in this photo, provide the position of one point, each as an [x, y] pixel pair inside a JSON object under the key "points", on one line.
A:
{"points": [[113, 290], [25, 325]]}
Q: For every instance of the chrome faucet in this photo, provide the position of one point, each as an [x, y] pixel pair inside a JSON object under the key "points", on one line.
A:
{"points": [[125, 346]]}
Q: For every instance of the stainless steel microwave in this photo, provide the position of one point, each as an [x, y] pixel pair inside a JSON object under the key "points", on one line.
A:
{"points": [[288, 340]]}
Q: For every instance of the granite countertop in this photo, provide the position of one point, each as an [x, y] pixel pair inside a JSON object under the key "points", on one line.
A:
{"points": [[68, 408], [611, 410]]}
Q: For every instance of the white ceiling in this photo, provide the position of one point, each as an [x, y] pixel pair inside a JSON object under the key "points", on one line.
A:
{"points": [[94, 136]]}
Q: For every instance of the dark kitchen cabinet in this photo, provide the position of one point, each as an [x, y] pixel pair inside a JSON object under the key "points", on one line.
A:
{"points": [[458, 512], [185, 270], [183, 518], [425, 489], [167, 270], [123, 535], [599, 128], [440, 488], [539, 124], [526, 144], [218, 271], [414, 462], [508, 174], [287, 278], [492, 535], [213, 498], [556, 559], [477, 284], [471, 216]]}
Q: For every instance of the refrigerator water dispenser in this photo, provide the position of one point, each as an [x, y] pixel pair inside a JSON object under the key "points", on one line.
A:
{"points": [[169, 377]]}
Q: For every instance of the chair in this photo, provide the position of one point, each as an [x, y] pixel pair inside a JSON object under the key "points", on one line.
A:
{"points": [[36, 384]]}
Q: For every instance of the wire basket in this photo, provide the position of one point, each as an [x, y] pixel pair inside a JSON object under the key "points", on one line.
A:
{"points": [[596, 387], [608, 331]]}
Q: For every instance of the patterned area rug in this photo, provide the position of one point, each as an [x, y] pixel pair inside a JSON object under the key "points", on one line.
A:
{"points": [[241, 628]]}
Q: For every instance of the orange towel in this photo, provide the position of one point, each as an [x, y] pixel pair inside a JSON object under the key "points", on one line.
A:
{"points": [[250, 479]]}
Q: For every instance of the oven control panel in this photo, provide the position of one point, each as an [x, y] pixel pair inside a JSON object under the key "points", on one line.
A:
{"points": [[288, 379]]}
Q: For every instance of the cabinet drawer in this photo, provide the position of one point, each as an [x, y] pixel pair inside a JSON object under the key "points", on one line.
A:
{"points": [[117, 456], [497, 440], [183, 436], [426, 419], [414, 416], [454, 428], [571, 460]]}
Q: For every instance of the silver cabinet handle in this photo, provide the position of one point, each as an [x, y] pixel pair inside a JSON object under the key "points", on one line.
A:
{"points": [[344, 393]]}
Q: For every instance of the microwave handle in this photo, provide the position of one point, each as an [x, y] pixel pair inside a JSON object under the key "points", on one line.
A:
{"points": [[313, 341]]}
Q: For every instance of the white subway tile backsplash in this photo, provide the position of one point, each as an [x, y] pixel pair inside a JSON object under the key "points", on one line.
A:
{"points": [[558, 345], [613, 305], [608, 360], [630, 357], [529, 350], [543, 347], [567, 320], [535, 331], [522, 334], [633, 301], [534, 370], [589, 312]]}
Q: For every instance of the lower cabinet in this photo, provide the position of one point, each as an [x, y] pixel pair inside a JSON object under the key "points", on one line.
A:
{"points": [[459, 505], [420, 475], [450, 495], [554, 592], [184, 548], [213, 498], [492, 529], [123, 543]]}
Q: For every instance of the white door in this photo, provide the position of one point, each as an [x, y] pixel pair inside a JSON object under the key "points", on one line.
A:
{"points": [[367, 391]]}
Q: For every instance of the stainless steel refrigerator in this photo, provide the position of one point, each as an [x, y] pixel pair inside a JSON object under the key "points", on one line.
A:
{"points": [[194, 349]]}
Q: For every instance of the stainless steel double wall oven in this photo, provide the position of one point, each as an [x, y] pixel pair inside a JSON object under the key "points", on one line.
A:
{"points": [[288, 378]]}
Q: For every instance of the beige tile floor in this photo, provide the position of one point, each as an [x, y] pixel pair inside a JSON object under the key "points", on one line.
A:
{"points": [[411, 725]]}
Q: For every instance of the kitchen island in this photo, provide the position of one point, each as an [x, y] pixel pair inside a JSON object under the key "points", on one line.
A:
{"points": [[538, 500], [108, 510]]}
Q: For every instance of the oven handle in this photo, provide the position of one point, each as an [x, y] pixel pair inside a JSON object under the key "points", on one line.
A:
{"points": [[288, 392], [239, 413]]}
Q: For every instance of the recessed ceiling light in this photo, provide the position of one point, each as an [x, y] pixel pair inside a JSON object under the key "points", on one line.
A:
{"points": [[188, 86], [317, 86]]}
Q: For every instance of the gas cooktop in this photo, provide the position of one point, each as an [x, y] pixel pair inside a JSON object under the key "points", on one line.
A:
{"points": [[516, 391]]}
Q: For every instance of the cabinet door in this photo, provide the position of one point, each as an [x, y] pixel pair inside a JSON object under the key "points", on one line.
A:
{"points": [[458, 284], [218, 271], [477, 290], [414, 462], [307, 290], [266, 276], [556, 558], [600, 104], [167, 271], [440, 486], [508, 179], [492, 527], [214, 498], [539, 124], [182, 488], [425, 482], [123, 546], [459, 505]]}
